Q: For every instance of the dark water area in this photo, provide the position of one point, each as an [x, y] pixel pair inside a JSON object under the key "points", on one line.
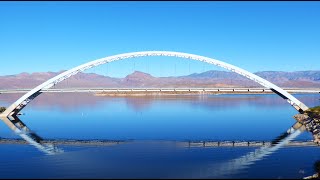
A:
{"points": [[148, 121], [142, 160]]}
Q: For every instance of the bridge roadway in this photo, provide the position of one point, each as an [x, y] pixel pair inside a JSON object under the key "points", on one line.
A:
{"points": [[222, 90]]}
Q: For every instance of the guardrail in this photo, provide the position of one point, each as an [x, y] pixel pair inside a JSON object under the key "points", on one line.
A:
{"points": [[256, 90]]}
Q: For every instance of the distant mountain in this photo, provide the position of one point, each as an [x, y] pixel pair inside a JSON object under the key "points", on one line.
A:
{"points": [[271, 75], [138, 78], [292, 79], [292, 76], [215, 74], [284, 79], [26, 80], [141, 79]]}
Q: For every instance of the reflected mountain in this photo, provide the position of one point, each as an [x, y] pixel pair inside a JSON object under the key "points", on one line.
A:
{"points": [[72, 101], [139, 104], [66, 101]]}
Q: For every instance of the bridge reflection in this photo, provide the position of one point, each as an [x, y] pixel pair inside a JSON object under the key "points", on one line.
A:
{"points": [[18, 127], [215, 170], [235, 165]]}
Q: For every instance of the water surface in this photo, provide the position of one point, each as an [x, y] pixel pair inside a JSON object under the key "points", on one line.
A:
{"points": [[152, 119]]}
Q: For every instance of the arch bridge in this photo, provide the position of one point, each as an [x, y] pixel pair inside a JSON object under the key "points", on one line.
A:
{"points": [[9, 116], [25, 99]]}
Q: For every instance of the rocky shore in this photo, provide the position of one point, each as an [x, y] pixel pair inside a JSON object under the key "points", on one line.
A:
{"points": [[311, 120]]}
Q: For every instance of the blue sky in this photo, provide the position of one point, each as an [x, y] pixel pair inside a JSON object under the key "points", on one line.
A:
{"points": [[256, 36]]}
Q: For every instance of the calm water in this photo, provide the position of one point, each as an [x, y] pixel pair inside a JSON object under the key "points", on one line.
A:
{"points": [[148, 120]]}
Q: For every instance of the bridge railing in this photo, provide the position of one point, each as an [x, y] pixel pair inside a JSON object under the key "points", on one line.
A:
{"points": [[100, 89]]}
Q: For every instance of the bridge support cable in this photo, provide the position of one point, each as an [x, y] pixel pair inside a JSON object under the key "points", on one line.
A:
{"points": [[23, 101]]}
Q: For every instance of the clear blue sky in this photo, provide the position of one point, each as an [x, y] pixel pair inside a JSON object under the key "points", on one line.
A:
{"points": [[257, 36]]}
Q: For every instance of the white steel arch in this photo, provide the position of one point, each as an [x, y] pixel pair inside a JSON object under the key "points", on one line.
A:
{"points": [[17, 106]]}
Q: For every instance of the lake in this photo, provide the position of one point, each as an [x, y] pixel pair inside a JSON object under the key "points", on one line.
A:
{"points": [[147, 122]]}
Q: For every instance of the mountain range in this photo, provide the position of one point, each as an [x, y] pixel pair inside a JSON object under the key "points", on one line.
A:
{"points": [[137, 79]]}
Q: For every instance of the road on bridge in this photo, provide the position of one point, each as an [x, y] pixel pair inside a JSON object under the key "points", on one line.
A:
{"points": [[223, 90]]}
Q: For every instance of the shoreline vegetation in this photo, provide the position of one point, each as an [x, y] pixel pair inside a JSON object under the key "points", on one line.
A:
{"points": [[2, 109], [314, 112]]}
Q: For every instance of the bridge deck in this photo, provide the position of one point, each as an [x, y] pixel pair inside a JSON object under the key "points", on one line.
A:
{"points": [[236, 90], [181, 143]]}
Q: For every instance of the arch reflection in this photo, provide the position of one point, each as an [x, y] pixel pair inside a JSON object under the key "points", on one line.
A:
{"points": [[21, 129]]}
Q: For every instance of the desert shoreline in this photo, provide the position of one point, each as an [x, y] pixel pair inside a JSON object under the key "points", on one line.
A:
{"points": [[180, 93]]}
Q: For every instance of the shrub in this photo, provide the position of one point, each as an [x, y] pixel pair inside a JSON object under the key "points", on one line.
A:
{"points": [[314, 112], [2, 109]]}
